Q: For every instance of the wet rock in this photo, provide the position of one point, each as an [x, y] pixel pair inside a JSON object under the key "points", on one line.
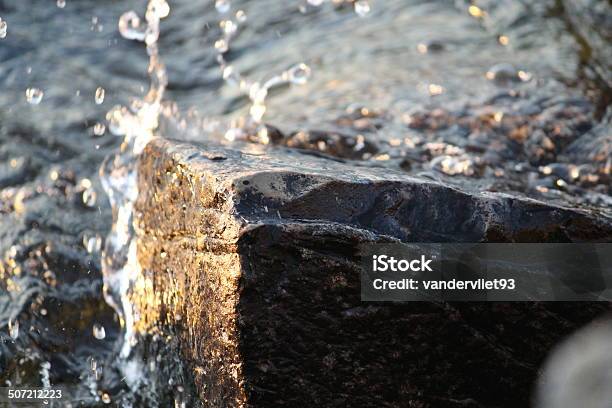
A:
{"points": [[253, 262], [515, 131], [579, 372]]}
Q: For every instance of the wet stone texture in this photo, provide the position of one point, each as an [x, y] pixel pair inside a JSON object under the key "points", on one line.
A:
{"points": [[250, 255]]}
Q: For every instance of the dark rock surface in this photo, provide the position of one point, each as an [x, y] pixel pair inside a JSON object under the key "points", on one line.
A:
{"points": [[251, 256]]}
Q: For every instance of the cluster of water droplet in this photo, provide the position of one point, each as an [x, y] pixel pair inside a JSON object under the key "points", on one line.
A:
{"points": [[256, 91]]}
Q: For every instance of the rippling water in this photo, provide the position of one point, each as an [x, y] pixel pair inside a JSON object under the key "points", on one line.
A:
{"points": [[502, 96]]}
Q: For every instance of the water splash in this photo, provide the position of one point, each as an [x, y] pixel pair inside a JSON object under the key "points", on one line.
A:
{"points": [[256, 91], [123, 276], [118, 173], [99, 96], [92, 243], [362, 8], [222, 6], [13, 328], [34, 96], [99, 332], [89, 197], [137, 123], [3, 28], [45, 369]]}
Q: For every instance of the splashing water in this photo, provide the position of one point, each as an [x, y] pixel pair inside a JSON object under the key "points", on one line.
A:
{"points": [[137, 124], [222, 6], [257, 92], [99, 332], [118, 173], [3, 28], [92, 243], [34, 95], [362, 8], [45, 368], [99, 96], [13, 327]]}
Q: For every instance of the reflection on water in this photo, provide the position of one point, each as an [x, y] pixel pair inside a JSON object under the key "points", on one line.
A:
{"points": [[500, 96]]}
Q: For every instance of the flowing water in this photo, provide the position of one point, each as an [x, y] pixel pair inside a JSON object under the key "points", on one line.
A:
{"points": [[502, 96]]}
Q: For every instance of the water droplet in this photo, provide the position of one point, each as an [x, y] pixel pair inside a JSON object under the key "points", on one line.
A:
{"points": [[299, 74], [257, 111], [99, 97], [99, 332], [476, 11], [3, 28], [435, 89], [34, 95], [117, 120], [130, 26], [315, 3], [228, 72], [85, 183], [524, 76], [13, 328], [241, 16], [99, 129], [263, 136], [222, 6], [45, 367], [179, 403], [89, 197], [362, 8], [159, 8], [229, 27], [106, 398], [61, 3], [92, 243], [221, 46], [14, 251], [233, 134], [257, 92]]}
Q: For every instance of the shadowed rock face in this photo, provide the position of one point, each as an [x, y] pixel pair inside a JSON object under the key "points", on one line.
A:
{"points": [[252, 257]]}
